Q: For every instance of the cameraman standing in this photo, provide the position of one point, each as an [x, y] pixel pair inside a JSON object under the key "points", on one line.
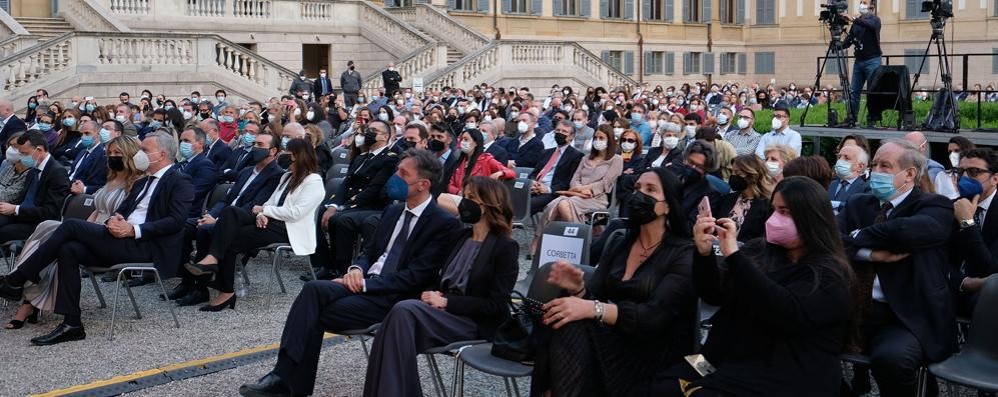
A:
{"points": [[865, 36]]}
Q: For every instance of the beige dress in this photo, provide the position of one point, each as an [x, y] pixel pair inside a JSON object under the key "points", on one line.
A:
{"points": [[42, 295], [596, 174]]}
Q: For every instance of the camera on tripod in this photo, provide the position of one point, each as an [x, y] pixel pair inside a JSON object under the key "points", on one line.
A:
{"points": [[833, 11], [938, 8]]}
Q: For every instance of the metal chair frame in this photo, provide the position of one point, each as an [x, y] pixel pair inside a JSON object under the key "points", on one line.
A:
{"points": [[121, 268]]}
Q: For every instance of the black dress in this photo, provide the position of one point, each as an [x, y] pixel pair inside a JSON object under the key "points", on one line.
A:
{"points": [[653, 331], [778, 333]]}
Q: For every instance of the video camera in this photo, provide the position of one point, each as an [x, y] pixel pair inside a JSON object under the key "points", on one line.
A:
{"points": [[833, 11], [938, 8]]}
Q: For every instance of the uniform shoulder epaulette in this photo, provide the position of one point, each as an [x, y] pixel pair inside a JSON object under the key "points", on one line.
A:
{"points": [[391, 154]]}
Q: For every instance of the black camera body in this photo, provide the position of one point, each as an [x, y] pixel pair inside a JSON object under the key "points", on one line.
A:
{"points": [[833, 11], [938, 8]]}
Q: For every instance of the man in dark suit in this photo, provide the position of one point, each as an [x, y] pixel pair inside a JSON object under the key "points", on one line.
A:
{"points": [[9, 121], [974, 245], [440, 145], [525, 149], [241, 157], [491, 146], [402, 260], [322, 86], [195, 164], [89, 170], [849, 169], [218, 150], [554, 172], [253, 186], [898, 237], [46, 189], [699, 157], [148, 227], [391, 79], [359, 196]]}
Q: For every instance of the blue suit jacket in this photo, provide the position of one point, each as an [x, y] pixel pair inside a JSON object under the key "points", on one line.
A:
{"points": [[256, 193], [527, 155], [93, 170], [15, 124], [202, 173], [499, 153], [163, 230], [219, 153], [237, 160], [858, 186], [423, 255]]}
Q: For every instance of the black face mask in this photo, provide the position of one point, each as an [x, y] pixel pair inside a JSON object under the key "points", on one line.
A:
{"points": [[737, 183], [259, 154], [560, 139], [642, 209], [370, 139], [409, 144], [436, 146], [470, 211], [284, 161], [687, 174], [116, 163], [205, 115]]}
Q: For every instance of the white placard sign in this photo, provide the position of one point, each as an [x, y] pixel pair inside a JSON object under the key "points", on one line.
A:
{"points": [[554, 248], [417, 84]]}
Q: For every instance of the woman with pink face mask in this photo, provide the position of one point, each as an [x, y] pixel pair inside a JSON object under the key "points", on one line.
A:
{"points": [[785, 303]]}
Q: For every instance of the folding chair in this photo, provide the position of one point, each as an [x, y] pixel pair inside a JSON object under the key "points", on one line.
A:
{"points": [[451, 350], [217, 195], [341, 155], [976, 366], [276, 251], [363, 335], [523, 172], [519, 191], [333, 184], [121, 268], [78, 206], [337, 171], [560, 230], [603, 214], [921, 378]]}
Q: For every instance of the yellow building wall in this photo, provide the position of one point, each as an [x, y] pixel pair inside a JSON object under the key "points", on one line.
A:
{"points": [[31, 8]]}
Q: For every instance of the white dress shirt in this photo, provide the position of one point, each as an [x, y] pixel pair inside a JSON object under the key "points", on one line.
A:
{"points": [[864, 254], [138, 216], [787, 137], [416, 213], [40, 167]]}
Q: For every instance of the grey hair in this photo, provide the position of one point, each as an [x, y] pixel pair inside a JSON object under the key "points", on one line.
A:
{"points": [[672, 127], [92, 123], [212, 123], [427, 164], [296, 129], [568, 124], [863, 157], [165, 142], [491, 125], [910, 156]]}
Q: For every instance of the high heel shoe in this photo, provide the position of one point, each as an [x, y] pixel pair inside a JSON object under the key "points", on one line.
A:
{"points": [[18, 324], [230, 303]]}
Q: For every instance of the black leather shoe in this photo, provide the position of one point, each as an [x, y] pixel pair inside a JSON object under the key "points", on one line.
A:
{"points": [[195, 297], [321, 274], [178, 292], [270, 385], [198, 269], [62, 333], [10, 292]]}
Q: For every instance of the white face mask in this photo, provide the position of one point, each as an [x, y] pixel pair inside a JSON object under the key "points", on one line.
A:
{"points": [[470, 125], [188, 115], [487, 118], [691, 131], [383, 117], [466, 147], [954, 159], [13, 155], [358, 140], [121, 118], [722, 119], [773, 168], [864, 9], [297, 112], [310, 115], [777, 124], [522, 127], [743, 124], [599, 145], [627, 146], [617, 132], [670, 142]]}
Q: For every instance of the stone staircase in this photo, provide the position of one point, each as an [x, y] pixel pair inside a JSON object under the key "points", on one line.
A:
{"points": [[453, 54], [45, 28]]}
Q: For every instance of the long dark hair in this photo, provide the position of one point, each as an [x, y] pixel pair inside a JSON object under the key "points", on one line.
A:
{"points": [[672, 189], [472, 158], [304, 165], [494, 196]]}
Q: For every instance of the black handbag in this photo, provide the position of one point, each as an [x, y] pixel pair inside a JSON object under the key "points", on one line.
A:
{"points": [[515, 338]]}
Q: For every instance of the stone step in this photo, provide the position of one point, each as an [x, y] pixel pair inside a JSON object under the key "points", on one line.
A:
{"points": [[45, 27]]}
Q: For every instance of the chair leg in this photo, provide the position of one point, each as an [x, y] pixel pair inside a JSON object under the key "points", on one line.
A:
{"points": [[114, 306], [242, 270], [168, 303], [363, 345], [509, 391], [921, 382], [516, 389], [438, 381], [277, 273], [100, 295], [131, 297]]}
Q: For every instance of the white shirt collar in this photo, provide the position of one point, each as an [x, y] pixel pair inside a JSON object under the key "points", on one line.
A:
{"points": [[41, 165], [159, 174], [420, 208], [378, 151], [900, 198], [986, 203]]}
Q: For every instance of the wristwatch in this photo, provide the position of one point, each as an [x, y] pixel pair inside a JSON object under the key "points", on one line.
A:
{"points": [[967, 223]]}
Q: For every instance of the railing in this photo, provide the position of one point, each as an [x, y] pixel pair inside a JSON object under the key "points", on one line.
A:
{"points": [[420, 63], [91, 16], [602, 71], [13, 45], [9, 26], [206, 8], [390, 31], [466, 70], [315, 11], [145, 51], [130, 7], [25, 67], [446, 28], [251, 8]]}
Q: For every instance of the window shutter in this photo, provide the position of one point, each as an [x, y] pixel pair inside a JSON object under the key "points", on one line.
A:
{"points": [[483, 6], [913, 10], [628, 9], [707, 65], [585, 6], [742, 63], [670, 10], [724, 11], [686, 63], [705, 10], [649, 63], [646, 9], [670, 63], [629, 62], [557, 8], [605, 56], [507, 6], [604, 8], [451, 4], [740, 15], [536, 6]]}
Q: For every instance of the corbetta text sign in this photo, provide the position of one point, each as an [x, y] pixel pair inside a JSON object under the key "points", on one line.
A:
{"points": [[554, 248]]}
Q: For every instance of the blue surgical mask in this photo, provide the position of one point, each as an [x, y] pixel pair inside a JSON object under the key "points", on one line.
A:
{"points": [[43, 126], [168, 107], [843, 168], [87, 141], [28, 161], [186, 150], [69, 122], [227, 119], [396, 188], [248, 139], [242, 124], [155, 124], [105, 135], [32, 105], [90, 107], [635, 116], [969, 187], [882, 185], [284, 142]]}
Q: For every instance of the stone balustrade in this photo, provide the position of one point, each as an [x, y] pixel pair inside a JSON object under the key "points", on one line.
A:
{"points": [[205, 8], [316, 11], [51, 57], [129, 7], [252, 8], [167, 14], [92, 16], [455, 33], [390, 30], [421, 63], [13, 45]]}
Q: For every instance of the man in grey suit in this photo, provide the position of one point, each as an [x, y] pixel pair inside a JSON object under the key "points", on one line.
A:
{"points": [[849, 170]]}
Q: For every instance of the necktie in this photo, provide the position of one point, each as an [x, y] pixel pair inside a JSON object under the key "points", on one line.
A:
{"points": [[550, 164], [394, 254], [183, 165], [29, 196], [882, 215], [242, 157], [79, 164], [841, 193], [325, 86], [143, 193], [979, 217]]}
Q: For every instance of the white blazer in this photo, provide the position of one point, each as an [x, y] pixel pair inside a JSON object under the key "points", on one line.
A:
{"points": [[298, 211]]}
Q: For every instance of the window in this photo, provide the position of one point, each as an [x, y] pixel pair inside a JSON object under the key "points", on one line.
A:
{"points": [[670, 63], [765, 63], [515, 6], [656, 10], [913, 10], [655, 62], [464, 5], [729, 63], [729, 10], [616, 59], [691, 11], [765, 12], [613, 8], [571, 8], [691, 62], [913, 58]]}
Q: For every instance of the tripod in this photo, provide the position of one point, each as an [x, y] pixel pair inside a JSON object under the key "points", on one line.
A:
{"points": [[944, 114], [835, 50]]}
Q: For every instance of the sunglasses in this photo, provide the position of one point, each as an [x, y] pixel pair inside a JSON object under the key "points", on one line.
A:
{"points": [[629, 140], [971, 172]]}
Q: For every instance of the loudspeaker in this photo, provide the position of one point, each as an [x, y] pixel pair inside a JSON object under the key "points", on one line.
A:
{"points": [[888, 89]]}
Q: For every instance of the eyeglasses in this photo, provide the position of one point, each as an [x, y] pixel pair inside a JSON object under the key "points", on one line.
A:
{"points": [[629, 140], [971, 172]]}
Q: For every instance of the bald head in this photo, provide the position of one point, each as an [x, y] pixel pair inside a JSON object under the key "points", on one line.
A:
{"points": [[6, 108], [918, 139]]}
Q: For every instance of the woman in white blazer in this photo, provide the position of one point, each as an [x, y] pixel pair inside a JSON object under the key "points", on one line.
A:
{"points": [[287, 217]]}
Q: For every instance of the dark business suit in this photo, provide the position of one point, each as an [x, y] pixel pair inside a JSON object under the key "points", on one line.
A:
{"points": [[391, 80], [413, 326], [449, 165], [218, 153], [562, 178], [527, 154], [324, 305], [202, 173], [51, 187], [837, 194], [321, 86], [12, 126], [499, 153], [78, 242], [973, 253], [917, 324], [237, 161], [359, 196], [90, 168]]}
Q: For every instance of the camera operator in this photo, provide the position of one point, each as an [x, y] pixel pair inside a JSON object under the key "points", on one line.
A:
{"points": [[864, 35]]}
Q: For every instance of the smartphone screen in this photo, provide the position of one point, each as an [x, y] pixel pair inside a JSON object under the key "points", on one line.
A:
{"points": [[704, 207]]}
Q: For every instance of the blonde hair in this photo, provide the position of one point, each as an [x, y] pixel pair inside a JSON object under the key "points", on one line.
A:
{"points": [[128, 146], [785, 152]]}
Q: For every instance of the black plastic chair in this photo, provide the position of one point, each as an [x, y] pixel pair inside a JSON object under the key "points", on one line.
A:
{"points": [[338, 171], [341, 156], [218, 194], [523, 172], [560, 229], [976, 366], [519, 192], [857, 359], [363, 335]]}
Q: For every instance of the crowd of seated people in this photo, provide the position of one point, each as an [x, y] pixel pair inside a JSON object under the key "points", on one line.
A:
{"points": [[402, 203]]}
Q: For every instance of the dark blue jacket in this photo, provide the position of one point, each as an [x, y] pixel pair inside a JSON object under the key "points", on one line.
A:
{"points": [[526, 155], [92, 171], [256, 193], [163, 229], [219, 153], [238, 159], [202, 173], [864, 35]]}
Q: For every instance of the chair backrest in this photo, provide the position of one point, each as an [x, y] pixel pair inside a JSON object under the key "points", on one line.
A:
{"points": [[338, 171], [332, 185], [218, 194], [519, 192], [78, 206], [542, 291], [341, 155], [984, 325], [564, 240], [523, 172]]}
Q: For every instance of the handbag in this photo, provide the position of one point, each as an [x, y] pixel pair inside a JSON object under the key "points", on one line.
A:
{"points": [[515, 339]]}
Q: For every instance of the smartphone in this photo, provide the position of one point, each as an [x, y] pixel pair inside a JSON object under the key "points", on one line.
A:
{"points": [[700, 364], [704, 210]]}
